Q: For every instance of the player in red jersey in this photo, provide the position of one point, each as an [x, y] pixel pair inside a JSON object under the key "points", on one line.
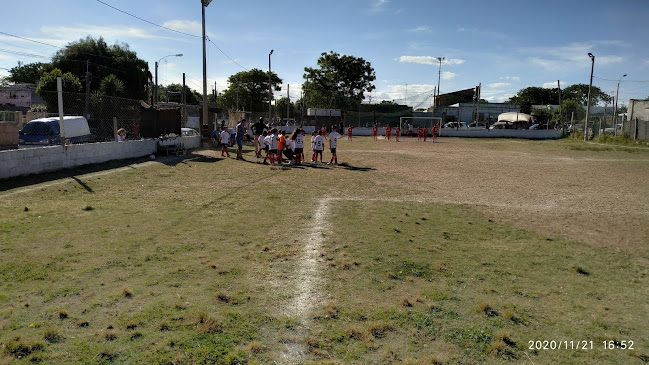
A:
{"points": [[425, 133], [349, 132], [435, 132], [418, 134], [388, 132], [397, 133], [375, 131]]}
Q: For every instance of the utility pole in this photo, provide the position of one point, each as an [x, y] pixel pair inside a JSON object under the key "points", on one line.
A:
{"points": [[183, 98], [204, 4], [270, 88], [288, 105], [592, 67], [617, 94], [560, 107]]}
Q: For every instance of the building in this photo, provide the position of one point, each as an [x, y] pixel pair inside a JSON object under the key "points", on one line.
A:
{"points": [[19, 97], [465, 112]]}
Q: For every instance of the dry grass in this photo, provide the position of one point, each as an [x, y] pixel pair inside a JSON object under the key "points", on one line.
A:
{"points": [[420, 239]]}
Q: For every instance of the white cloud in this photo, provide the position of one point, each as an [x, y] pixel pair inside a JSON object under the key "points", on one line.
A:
{"points": [[511, 78], [185, 26], [570, 55], [553, 85], [497, 85], [378, 5], [116, 32], [448, 75], [428, 60], [420, 29]]}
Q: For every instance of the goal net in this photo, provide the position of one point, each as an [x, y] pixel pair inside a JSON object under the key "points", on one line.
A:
{"points": [[417, 122]]}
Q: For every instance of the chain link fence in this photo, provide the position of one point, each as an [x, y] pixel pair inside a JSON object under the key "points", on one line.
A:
{"points": [[105, 114]]}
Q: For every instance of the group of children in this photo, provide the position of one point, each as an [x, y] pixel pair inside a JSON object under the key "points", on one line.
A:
{"points": [[276, 145]]}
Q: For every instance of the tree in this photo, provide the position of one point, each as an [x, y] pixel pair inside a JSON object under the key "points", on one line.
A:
{"points": [[70, 83], [191, 96], [339, 82], [102, 60], [29, 73], [112, 86], [567, 108], [280, 108], [536, 96], [249, 90], [579, 93], [47, 88]]}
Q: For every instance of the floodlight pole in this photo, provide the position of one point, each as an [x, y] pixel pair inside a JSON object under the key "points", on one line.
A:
{"points": [[156, 74], [590, 85], [617, 94], [439, 77]]}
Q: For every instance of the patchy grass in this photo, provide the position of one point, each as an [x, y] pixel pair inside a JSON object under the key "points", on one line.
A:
{"points": [[430, 260]]}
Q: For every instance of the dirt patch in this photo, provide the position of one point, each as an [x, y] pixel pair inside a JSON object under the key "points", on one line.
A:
{"points": [[596, 197]]}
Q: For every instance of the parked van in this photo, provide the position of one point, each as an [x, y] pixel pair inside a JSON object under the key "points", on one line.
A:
{"points": [[45, 131]]}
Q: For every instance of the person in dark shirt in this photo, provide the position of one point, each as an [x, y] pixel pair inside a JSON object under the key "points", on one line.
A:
{"points": [[258, 130]]}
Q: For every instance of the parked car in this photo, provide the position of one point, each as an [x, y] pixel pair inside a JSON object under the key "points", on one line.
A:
{"points": [[46, 131], [188, 132], [480, 125], [616, 130], [455, 125]]}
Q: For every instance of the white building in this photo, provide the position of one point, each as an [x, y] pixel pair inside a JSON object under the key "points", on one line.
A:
{"points": [[20, 96]]}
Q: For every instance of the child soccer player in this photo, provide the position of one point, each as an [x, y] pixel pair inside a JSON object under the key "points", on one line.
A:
{"points": [[388, 132], [272, 148], [349, 132], [418, 134], [314, 134], [424, 131], [225, 139], [435, 131], [319, 146], [397, 133], [375, 131], [333, 144], [264, 143], [299, 146]]}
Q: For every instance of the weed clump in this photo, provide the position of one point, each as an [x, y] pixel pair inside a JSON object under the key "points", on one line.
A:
{"points": [[127, 293], [19, 348], [63, 314], [255, 347], [580, 270], [207, 323], [487, 310], [110, 335], [52, 335]]}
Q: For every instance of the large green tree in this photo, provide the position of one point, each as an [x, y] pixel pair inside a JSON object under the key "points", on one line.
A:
{"points": [[29, 73], [579, 93], [536, 96], [47, 89], [192, 96], [249, 90], [102, 60], [340, 81], [280, 108]]}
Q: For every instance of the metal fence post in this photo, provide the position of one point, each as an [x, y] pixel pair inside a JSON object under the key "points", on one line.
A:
{"points": [[115, 128]]}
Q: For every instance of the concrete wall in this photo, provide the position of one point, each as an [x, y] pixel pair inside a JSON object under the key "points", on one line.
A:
{"points": [[27, 161], [190, 142], [501, 133]]}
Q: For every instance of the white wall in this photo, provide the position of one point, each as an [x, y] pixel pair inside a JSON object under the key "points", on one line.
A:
{"points": [[27, 161]]}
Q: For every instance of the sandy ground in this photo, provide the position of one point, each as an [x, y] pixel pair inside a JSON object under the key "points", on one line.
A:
{"points": [[599, 197]]}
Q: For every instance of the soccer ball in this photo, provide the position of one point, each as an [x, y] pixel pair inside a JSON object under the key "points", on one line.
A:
{"points": [[152, 157]]}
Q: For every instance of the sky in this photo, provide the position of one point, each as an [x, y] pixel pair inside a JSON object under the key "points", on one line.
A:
{"points": [[504, 45]]}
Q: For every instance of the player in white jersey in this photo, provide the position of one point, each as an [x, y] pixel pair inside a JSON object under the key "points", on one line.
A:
{"points": [[333, 144], [299, 147], [319, 146], [224, 138]]}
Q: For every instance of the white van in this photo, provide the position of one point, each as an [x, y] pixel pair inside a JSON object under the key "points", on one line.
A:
{"points": [[46, 131]]}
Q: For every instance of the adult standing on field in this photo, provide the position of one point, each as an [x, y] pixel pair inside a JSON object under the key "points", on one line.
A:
{"points": [[258, 130], [241, 132]]}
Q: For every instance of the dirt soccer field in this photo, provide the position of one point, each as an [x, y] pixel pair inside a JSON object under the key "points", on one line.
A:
{"points": [[462, 251]]}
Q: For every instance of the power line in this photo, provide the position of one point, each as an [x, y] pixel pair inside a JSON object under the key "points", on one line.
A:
{"points": [[625, 80], [225, 54], [23, 53], [150, 22], [30, 40]]}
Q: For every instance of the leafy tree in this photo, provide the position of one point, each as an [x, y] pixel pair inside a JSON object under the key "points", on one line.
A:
{"points": [[47, 88], [536, 96], [251, 89], [339, 82], [567, 108], [70, 83], [579, 93], [280, 108], [542, 115], [192, 97], [29, 73], [112, 86], [104, 60]]}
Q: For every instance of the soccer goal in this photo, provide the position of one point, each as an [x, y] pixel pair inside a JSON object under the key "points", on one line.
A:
{"points": [[417, 122]]}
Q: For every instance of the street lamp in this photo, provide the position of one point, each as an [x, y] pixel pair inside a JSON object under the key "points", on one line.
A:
{"points": [[156, 74], [592, 66], [204, 4], [270, 87], [617, 94]]}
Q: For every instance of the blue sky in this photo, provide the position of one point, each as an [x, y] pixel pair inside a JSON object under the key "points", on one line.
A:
{"points": [[505, 45]]}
